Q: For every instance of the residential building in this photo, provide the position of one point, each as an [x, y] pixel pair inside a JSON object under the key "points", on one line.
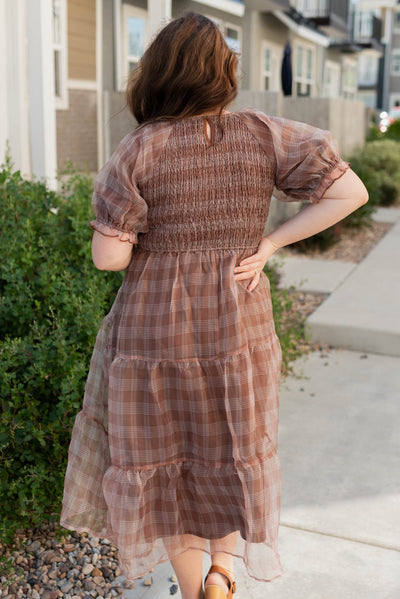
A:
{"points": [[376, 28], [78, 55]]}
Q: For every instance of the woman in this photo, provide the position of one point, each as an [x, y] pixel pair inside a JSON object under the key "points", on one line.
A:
{"points": [[175, 450]]}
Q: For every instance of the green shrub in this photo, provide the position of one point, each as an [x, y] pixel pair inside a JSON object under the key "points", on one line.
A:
{"points": [[52, 301], [374, 133], [378, 166], [393, 131]]}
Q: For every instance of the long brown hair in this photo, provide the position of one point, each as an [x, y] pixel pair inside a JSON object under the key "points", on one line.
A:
{"points": [[187, 70]]}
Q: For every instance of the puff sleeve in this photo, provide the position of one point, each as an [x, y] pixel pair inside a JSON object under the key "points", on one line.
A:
{"points": [[119, 208], [306, 159]]}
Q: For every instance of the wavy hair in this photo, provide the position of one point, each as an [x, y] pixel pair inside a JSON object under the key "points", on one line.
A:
{"points": [[187, 70]]}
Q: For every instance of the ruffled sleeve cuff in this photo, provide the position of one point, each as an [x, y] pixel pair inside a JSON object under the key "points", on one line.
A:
{"points": [[336, 172], [112, 231]]}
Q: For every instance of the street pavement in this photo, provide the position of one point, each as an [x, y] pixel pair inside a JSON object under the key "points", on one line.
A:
{"points": [[339, 441]]}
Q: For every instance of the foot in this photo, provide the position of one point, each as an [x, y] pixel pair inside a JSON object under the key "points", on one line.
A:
{"points": [[218, 579]]}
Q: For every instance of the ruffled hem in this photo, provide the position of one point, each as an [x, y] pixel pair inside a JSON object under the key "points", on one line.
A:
{"points": [[153, 515], [112, 231], [336, 172]]}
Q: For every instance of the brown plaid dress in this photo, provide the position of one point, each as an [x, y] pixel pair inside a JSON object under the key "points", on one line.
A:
{"points": [[176, 442]]}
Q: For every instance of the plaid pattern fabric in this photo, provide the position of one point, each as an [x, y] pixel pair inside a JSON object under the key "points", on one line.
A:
{"points": [[176, 442]]}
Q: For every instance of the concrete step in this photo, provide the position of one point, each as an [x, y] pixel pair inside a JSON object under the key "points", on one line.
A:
{"points": [[311, 275], [363, 312]]}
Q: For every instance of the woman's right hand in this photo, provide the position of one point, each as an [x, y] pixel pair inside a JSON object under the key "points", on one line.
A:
{"points": [[252, 267]]}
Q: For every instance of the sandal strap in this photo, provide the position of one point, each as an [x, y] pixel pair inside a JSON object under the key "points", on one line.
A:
{"points": [[221, 570]]}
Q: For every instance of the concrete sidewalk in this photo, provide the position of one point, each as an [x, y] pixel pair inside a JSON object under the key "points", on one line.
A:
{"points": [[362, 310]]}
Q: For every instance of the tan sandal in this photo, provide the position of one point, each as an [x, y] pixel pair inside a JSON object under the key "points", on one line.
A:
{"points": [[213, 591]]}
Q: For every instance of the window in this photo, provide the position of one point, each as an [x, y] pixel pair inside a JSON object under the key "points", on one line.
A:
{"points": [[270, 70], [349, 82], [233, 36], [134, 32], [232, 33], [304, 72], [367, 70], [397, 22], [394, 101], [396, 62], [60, 53], [331, 80], [267, 69], [313, 8]]}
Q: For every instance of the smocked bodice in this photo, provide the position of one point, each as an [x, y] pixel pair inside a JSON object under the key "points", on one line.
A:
{"points": [[204, 195]]}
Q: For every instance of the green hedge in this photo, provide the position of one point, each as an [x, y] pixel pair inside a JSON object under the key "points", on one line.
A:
{"points": [[52, 302], [378, 165]]}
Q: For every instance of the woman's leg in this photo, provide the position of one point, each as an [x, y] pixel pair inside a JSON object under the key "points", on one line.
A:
{"points": [[225, 560], [188, 568]]}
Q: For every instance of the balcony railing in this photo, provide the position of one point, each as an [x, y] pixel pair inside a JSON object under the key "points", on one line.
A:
{"points": [[325, 12], [370, 30]]}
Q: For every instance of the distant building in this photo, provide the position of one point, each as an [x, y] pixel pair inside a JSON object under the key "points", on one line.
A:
{"points": [[64, 65], [376, 28]]}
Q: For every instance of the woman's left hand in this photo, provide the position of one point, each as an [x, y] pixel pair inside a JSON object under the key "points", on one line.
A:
{"points": [[252, 267]]}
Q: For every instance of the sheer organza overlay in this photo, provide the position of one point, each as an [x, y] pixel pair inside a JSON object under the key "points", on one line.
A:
{"points": [[176, 442]]}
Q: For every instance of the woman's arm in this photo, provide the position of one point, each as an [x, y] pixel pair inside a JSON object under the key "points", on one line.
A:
{"points": [[342, 198], [110, 253]]}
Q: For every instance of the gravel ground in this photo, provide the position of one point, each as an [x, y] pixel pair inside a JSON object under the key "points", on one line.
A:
{"points": [[354, 244], [46, 565]]}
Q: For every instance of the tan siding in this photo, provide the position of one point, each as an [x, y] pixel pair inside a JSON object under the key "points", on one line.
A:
{"points": [[82, 39]]}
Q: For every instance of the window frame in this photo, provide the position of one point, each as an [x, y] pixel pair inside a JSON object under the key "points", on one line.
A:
{"points": [[224, 25], [331, 66], [396, 25], [273, 74], [395, 57], [227, 25], [129, 11], [348, 92], [300, 79], [60, 49]]}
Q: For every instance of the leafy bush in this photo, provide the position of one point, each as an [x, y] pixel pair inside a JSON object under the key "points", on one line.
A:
{"points": [[373, 132], [393, 131], [378, 166], [52, 301]]}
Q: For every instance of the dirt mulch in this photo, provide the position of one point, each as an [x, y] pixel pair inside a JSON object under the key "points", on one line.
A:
{"points": [[353, 245]]}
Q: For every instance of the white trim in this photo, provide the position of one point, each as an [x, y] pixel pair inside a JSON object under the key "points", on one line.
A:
{"points": [[349, 90], [159, 13], [3, 77], [99, 77], [301, 31], [304, 79], [106, 121], [84, 84], [234, 8], [334, 68], [129, 11], [117, 18], [42, 117], [62, 101], [276, 52]]}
